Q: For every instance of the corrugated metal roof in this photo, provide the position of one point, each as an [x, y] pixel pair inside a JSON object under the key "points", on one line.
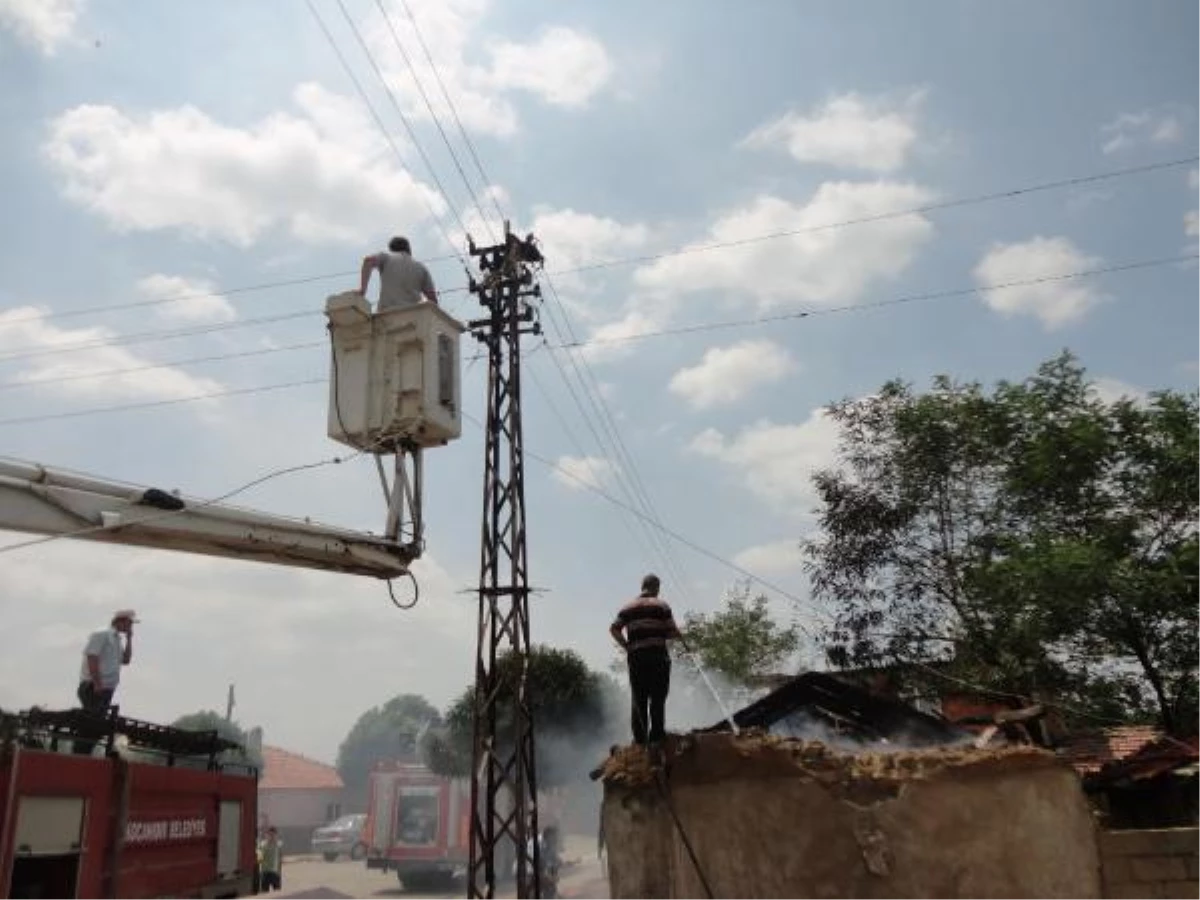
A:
{"points": [[287, 771]]}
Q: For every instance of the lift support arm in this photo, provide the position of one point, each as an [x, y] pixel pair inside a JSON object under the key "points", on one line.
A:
{"points": [[34, 498]]}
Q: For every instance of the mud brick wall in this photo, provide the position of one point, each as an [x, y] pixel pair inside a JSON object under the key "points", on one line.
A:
{"points": [[1159, 862]]}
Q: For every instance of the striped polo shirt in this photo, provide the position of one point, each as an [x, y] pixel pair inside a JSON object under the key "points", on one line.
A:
{"points": [[647, 622]]}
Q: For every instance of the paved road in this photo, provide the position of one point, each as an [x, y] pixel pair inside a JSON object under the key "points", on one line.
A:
{"points": [[313, 877]]}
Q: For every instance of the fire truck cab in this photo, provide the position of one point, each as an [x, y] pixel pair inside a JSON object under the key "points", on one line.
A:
{"points": [[417, 824], [174, 822]]}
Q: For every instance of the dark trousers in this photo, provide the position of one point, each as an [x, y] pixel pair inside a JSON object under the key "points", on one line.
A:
{"points": [[649, 683], [95, 702], [270, 881]]}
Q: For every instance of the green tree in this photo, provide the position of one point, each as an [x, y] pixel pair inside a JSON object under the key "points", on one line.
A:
{"points": [[741, 640], [208, 720], [569, 705], [1035, 537], [384, 733]]}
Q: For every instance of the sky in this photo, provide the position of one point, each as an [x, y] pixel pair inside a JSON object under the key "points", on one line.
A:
{"points": [[223, 154]]}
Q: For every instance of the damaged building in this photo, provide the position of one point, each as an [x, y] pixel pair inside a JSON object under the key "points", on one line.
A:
{"points": [[886, 802]]}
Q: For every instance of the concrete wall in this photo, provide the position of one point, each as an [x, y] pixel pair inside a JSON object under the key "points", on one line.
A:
{"points": [[772, 819], [1152, 863], [296, 813]]}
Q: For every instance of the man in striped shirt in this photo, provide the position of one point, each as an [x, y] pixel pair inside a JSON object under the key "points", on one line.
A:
{"points": [[642, 628]]}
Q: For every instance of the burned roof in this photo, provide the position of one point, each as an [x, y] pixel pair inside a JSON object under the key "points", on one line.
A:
{"points": [[816, 702]]}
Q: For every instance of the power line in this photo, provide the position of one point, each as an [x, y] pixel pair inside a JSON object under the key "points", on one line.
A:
{"points": [[152, 404], [109, 373], [1016, 192], [176, 298], [450, 103], [161, 334], [379, 121], [897, 214], [404, 119], [645, 335], [429, 106], [894, 301]]}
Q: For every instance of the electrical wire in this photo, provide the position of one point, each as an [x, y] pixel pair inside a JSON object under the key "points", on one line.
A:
{"points": [[429, 107], [379, 121], [154, 404], [450, 103], [110, 373], [664, 332], [895, 214], [412, 134], [681, 251]]}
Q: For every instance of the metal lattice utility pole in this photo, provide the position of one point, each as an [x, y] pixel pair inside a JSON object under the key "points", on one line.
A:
{"points": [[503, 775]]}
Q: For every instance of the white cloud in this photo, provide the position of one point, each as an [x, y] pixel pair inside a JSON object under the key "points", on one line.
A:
{"points": [[1110, 390], [617, 339], [318, 175], [581, 472], [192, 299], [23, 329], [45, 24], [1191, 223], [1055, 303], [1150, 127], [775, 558], [850, 130], [821, 266], [727, 374], [571, 239], [777, 462], [561, 66]]}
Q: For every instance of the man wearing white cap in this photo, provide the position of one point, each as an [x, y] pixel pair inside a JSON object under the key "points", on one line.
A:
{"points": [[103, 656]]}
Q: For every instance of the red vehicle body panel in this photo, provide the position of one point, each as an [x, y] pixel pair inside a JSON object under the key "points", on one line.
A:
{"points": [[145, 830]]}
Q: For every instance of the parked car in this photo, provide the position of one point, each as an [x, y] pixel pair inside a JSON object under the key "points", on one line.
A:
{"points": [[341, 836]]}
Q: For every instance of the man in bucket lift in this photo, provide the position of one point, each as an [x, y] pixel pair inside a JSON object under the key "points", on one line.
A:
{"points": [[642, 628], [402, 280]]}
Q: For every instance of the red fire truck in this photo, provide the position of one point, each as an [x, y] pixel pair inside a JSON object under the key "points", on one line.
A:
{"points": [[417, 824], [174, 823]]}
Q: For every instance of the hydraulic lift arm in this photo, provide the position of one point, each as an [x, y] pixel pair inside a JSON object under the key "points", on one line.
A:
{"points": [[41, 500]]}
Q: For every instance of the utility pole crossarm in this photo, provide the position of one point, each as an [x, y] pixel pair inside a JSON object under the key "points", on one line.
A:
{"points": [[37, 499]]}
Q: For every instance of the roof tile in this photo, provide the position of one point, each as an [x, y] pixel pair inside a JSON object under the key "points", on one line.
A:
{"points": [[284, 770]]}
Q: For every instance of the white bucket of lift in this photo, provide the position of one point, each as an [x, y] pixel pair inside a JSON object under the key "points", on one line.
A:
{"points": [[394, 375]]}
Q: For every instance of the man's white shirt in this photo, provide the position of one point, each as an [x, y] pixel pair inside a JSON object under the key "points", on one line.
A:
{"points": [[105, 644]]}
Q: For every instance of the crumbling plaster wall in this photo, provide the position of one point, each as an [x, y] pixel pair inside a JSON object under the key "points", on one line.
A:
{"points": [[990, 825]]}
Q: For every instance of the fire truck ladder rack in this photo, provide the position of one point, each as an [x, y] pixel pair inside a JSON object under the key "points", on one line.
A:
{"points": [[46, 729]]}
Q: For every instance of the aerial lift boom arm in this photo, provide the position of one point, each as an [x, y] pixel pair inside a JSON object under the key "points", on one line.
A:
{"points": [[34, 498]]}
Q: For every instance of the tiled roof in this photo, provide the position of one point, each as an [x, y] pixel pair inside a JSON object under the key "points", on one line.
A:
{"points": [[1164, 755], [1089, 751], [286, 771]]}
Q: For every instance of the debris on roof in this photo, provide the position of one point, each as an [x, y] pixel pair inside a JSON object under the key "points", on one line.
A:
{"points": [[1090, 751], [707, 757], [1166, 755], [819, 705]]}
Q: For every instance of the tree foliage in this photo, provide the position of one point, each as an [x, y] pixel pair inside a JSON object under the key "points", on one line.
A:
{"points": [[208, 720], [741, 640], [384, 733], [567, 702], [1037, 538]]}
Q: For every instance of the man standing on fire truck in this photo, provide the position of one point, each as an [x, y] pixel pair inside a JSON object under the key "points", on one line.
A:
{"points": [[103, 656]]}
